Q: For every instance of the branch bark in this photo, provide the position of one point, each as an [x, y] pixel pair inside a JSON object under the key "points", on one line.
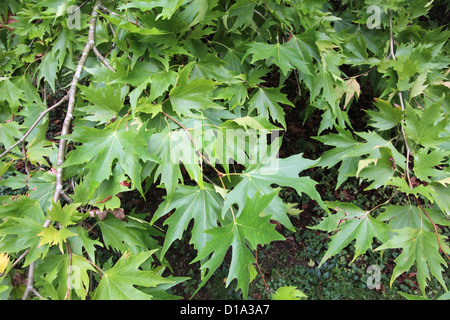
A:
{"points": [[65, 129], [71, 104]]}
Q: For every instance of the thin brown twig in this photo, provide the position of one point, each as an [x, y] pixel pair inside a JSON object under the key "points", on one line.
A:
{"points": [[30, 279], [102, 59], [71, 104], [434, 226], [33, 126], [118, 15], [219, 173]]}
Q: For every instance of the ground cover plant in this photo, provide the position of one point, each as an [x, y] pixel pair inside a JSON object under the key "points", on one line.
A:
{"points": [[139, 137]]}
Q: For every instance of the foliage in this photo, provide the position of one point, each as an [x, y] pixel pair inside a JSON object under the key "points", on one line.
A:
{"points": [[191, 97]]}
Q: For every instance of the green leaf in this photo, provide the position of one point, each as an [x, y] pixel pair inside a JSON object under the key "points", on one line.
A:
{"points": [[403, 186], [243, 234], [203, 205], [195, 94], [48, 70], [118, 283], [386, 117], [101, 147], [9, 131], [173, 148], [267, 102], [288, 293], [258, 179], [10, 93], [426, 128], [124, 235], [66, 215], [419, 247], [424, 163], [351, 223], [286, 56], [168, 6], [53, 236], [105, 102]]}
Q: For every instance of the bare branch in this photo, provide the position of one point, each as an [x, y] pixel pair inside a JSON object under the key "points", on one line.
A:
{"points": [[65, 129], [70, 106]]}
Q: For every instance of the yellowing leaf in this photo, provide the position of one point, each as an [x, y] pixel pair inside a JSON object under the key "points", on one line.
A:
{"points": [[4, 261], [53, 236], [445, 181], [288, 293], [352, 88]]}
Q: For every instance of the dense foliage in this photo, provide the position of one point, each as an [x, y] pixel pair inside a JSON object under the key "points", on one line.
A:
{"points": [[189, 96]]}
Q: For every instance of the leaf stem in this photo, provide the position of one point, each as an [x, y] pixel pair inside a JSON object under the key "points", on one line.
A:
{"points": [[434, 226]]}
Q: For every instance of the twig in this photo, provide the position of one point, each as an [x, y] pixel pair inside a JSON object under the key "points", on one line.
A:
{"points": [[29, 286], [435, 227], [37, 294], [65, 128], [34, 125], [70, 106], [102, 59], [118, 15], [220, 174]]}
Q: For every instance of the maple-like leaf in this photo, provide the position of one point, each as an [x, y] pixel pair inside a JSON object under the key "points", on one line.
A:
{"points": [[352, 223], [244, 233], [173, 148], [101, 147], [194, 94], [53, 236], [129, 235], [259, 179], [267, 102], [419, 247], [203, 205], [386, 117], [426, 128], [119, 282], [286, 55], [105, 102]]}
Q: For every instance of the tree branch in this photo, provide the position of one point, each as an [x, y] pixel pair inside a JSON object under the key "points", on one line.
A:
{"points": [[71, 104], [65, 129], [34, 125]]}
